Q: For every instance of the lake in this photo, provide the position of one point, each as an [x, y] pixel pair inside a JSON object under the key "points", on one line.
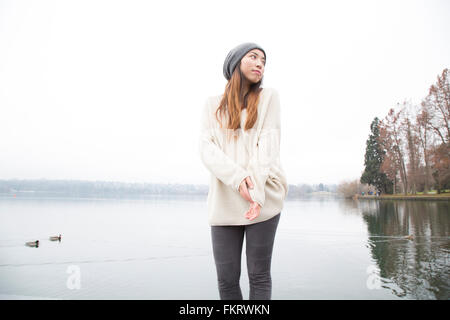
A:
{"points": [[161, 249]]}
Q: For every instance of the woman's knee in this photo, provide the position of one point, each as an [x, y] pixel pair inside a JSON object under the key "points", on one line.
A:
{"points": [[258, 268], [228, 273], [260, 280]]}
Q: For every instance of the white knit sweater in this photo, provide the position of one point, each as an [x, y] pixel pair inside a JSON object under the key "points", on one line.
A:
{"points": [[255, 153]]}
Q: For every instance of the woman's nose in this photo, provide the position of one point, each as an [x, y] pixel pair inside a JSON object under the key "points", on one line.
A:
{"points": [[259, 64]]}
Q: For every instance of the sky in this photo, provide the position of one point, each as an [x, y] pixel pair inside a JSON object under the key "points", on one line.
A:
{"points": [[113, 90]]}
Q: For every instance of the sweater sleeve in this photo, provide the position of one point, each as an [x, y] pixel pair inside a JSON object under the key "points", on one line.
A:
{"points": [[213, 157], [265, 162]]}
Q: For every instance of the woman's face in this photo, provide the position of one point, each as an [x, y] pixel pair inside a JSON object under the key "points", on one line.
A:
{"points": [[252, 65]]}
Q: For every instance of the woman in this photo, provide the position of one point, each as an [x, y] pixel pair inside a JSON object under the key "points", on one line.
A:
{"points": [[240, 146]]}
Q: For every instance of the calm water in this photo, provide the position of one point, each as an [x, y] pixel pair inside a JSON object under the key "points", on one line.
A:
{"points": [[161, 249]]}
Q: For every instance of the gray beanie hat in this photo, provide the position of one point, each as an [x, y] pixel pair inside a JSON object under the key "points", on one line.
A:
{"points": [[235, 55]]}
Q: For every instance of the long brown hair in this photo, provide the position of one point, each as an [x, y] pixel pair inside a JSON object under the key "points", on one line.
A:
{"points": [[230, 106]]}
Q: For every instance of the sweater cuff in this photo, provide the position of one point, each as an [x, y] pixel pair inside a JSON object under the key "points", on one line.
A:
{"points": [[257, 197], [239, 179], [259, 202], [258, 192]]}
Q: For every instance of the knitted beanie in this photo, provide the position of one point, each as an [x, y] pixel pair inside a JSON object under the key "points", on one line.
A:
{"points": [[235, 55]]}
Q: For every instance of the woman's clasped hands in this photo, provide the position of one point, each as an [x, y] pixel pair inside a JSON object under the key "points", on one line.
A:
{"points": [[255, 208]]}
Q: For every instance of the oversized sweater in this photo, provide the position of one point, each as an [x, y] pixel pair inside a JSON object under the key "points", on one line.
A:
{"points": [[255, 153]]}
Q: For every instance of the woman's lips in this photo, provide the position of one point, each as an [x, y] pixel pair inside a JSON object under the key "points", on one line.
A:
{"points": [[257, 72]]}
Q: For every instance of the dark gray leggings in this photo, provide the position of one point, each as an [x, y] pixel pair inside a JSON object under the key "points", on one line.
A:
{"points": [[227, 248]]}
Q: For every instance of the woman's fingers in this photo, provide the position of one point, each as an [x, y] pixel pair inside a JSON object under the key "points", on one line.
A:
{"points": [[248, 214], [244, 191], [245, 194], [252, 216], [253, 212], [249, 182]]}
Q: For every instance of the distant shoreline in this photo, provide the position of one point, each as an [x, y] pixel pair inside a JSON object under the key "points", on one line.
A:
{"points": [[116, 189], [433, 197]]}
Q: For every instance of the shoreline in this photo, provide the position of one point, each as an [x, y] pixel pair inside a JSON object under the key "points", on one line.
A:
{"points": [[433, 197]]}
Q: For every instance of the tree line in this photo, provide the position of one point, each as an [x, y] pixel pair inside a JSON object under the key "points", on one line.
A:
{"points": [[116, 189], [83, 188], [408, 151]]}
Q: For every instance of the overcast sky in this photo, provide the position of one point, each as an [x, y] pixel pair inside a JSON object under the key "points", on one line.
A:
{"points": [[113, 90]]}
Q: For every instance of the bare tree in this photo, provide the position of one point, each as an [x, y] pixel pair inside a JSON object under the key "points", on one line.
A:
{"points": [[440, 159], [390, 165], [439, 96], [412, 144], [439, 105], [423, 130], [419, 138], [393, 129]]}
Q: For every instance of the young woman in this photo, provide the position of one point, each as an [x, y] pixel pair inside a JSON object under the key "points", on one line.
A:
{"points": [[240, 146]]}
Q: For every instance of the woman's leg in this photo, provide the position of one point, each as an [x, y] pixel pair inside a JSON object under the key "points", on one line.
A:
{"points": [[259, 238], [227, 248]]}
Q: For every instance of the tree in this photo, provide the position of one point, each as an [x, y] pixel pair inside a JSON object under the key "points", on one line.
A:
{"points": [[350, 188], [416, 143], [439, 95], [439, 106], [412, 145], [392, 124], [440, 158], [390, 165], [423, 129], [373, 160]]}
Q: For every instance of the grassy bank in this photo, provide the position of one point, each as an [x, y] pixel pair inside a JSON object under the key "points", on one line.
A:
{"points": [[442, 196]]}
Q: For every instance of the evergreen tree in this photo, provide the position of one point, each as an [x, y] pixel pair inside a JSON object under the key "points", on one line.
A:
{"points": [[373, 159]]}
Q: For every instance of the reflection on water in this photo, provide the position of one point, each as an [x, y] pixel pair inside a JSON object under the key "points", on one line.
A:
{"points": [[161, 249], [415, 267]]}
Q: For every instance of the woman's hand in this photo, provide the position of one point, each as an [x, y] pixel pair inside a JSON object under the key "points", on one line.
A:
{"points": [[243, 188], [255, 208], [254, 211]]}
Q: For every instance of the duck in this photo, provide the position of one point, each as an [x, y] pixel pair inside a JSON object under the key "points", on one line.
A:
{"points": [[409, 237], [33, 243], [55, 238]]}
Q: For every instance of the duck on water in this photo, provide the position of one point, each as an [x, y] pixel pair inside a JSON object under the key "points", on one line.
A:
{"points": [[33, 244], [55, 238]]}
